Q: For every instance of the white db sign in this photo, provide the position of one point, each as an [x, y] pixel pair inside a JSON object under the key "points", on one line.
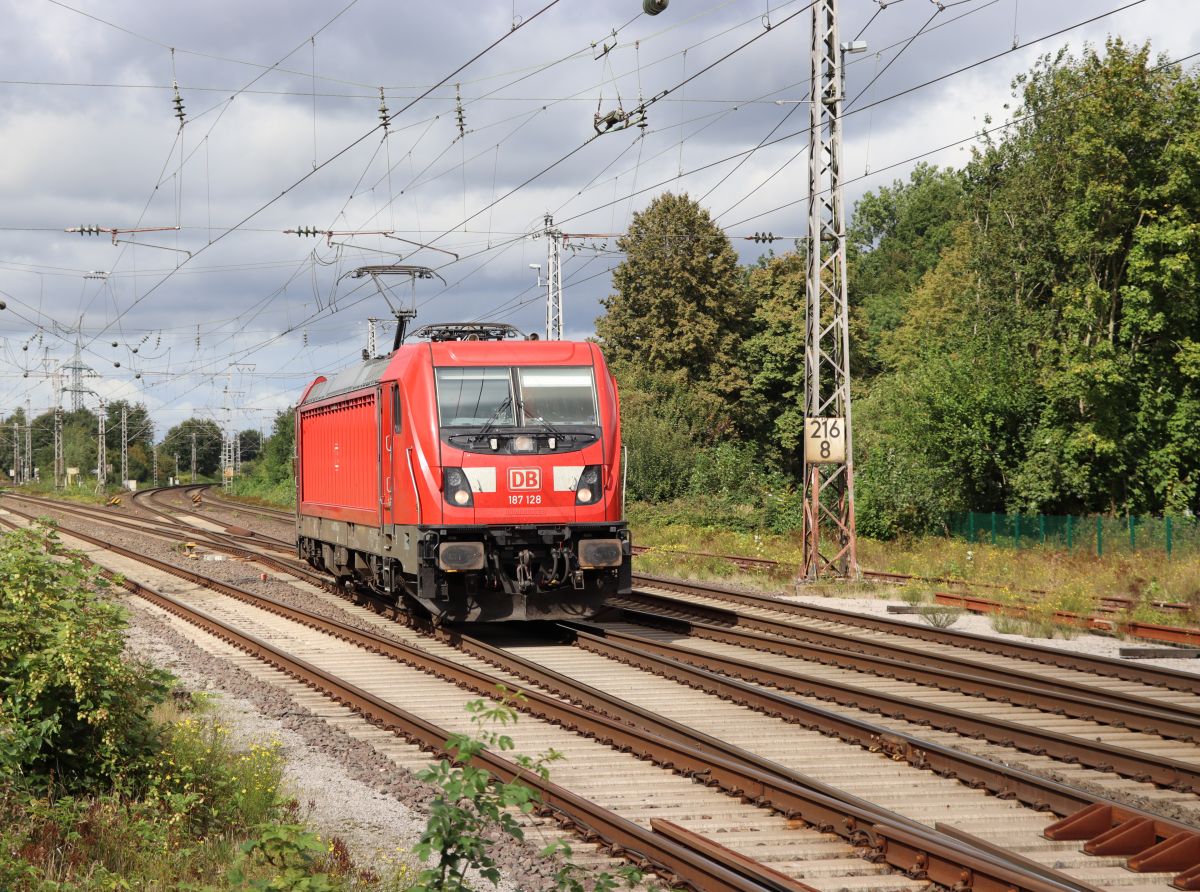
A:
{"points": [[824, 441], [524, 478]]}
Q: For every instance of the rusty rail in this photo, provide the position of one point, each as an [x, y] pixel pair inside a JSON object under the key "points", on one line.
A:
{"points": [[1094, 754], [1150, 675], [901, 842], [1182, 635]]}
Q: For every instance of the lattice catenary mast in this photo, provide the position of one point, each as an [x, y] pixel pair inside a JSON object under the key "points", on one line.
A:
{"points": [[124, 445], [101, 449], [554, 299], [828, 457], [58, 447]]}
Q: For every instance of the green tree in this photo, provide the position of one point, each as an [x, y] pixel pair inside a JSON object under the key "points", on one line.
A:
{"points": [[774, 356], [895, 236], [251, 442], [280, 448], [679, 308], [1047, 361], [140, 432], [178, 441]]}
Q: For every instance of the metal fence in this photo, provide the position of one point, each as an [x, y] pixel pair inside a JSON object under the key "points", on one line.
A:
{"points": [[1097, 533]]}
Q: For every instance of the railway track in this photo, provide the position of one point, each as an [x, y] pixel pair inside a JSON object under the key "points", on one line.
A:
{"points": [[1041, 662], [155, 502], [1110, 616], [896, 745], [362, 669]]}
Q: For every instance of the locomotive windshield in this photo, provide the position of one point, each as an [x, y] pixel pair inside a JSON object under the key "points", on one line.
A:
{"points": [[473, 397], [516, 397], [557, 395]]}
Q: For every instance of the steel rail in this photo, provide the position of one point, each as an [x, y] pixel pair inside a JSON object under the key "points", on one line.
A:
{"points": [[1136, 764], [1149, 842], [692, 868], [648, 848], [900, 841], [262, 510], [233, 532], [173, 529], [844, 652], [668, 607], [1006, 781], [1105, 666]]}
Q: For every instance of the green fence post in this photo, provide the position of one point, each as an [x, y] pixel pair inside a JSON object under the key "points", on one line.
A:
{"points": [[1132, 534], [1169, 531], [1099, 535], [1042, 528], [1017, 531], [1070, 517], [971, 526], [993, 527]]}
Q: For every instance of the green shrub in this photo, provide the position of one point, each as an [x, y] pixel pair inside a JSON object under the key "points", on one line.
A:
{"points": [[940, 616], [72, 707], [210, 786], [471, 803]]}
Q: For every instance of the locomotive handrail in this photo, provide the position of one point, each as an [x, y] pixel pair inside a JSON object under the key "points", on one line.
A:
{"points": [[412, 475]]}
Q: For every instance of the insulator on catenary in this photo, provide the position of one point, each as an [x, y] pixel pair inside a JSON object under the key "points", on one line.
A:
{"points": [[178, 103], [383, 111]]}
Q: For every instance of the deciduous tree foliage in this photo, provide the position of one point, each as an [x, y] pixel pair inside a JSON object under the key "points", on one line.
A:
{"points": [[680, 309], [1072, 286], [178, 441], [1025, 332]]}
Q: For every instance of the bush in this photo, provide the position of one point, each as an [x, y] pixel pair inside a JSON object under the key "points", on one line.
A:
{"points": [[939, 616], [72, 707], [211, 786]]}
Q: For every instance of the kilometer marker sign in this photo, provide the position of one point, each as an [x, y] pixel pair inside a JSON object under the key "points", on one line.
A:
{"points": [[824, 441]]}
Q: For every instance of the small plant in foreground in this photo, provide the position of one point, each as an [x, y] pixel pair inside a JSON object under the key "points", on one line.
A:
{"points": [[293, 858], [913, 595], [1007, 624], [473, 804], [939, 616]]}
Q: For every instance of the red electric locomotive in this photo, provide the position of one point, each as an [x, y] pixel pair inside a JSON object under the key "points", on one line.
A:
{"points": [[479, 475]]}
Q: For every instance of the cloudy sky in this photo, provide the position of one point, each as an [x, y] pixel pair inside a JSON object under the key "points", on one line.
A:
{"points": [[215, 305]]}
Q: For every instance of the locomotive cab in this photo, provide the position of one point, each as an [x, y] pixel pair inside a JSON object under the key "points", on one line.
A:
{"points": [[498, 476]]}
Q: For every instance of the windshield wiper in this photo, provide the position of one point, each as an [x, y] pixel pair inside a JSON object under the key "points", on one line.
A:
{"points": [[546, 424], [491, 422]]}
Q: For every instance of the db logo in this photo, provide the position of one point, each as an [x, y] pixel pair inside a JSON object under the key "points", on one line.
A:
{"points": [[524, 478]]}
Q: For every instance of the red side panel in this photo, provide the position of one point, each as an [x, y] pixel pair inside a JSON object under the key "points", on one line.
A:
{"points": [[340, 470]]}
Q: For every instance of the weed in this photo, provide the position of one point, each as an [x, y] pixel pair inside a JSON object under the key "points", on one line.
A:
{"points": [[940, 616], [472, 804], [1007, 623]]}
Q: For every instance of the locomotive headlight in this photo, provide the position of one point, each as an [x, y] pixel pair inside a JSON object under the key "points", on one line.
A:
{"points": [[588, 490], [457, 488], [524, 444]]}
